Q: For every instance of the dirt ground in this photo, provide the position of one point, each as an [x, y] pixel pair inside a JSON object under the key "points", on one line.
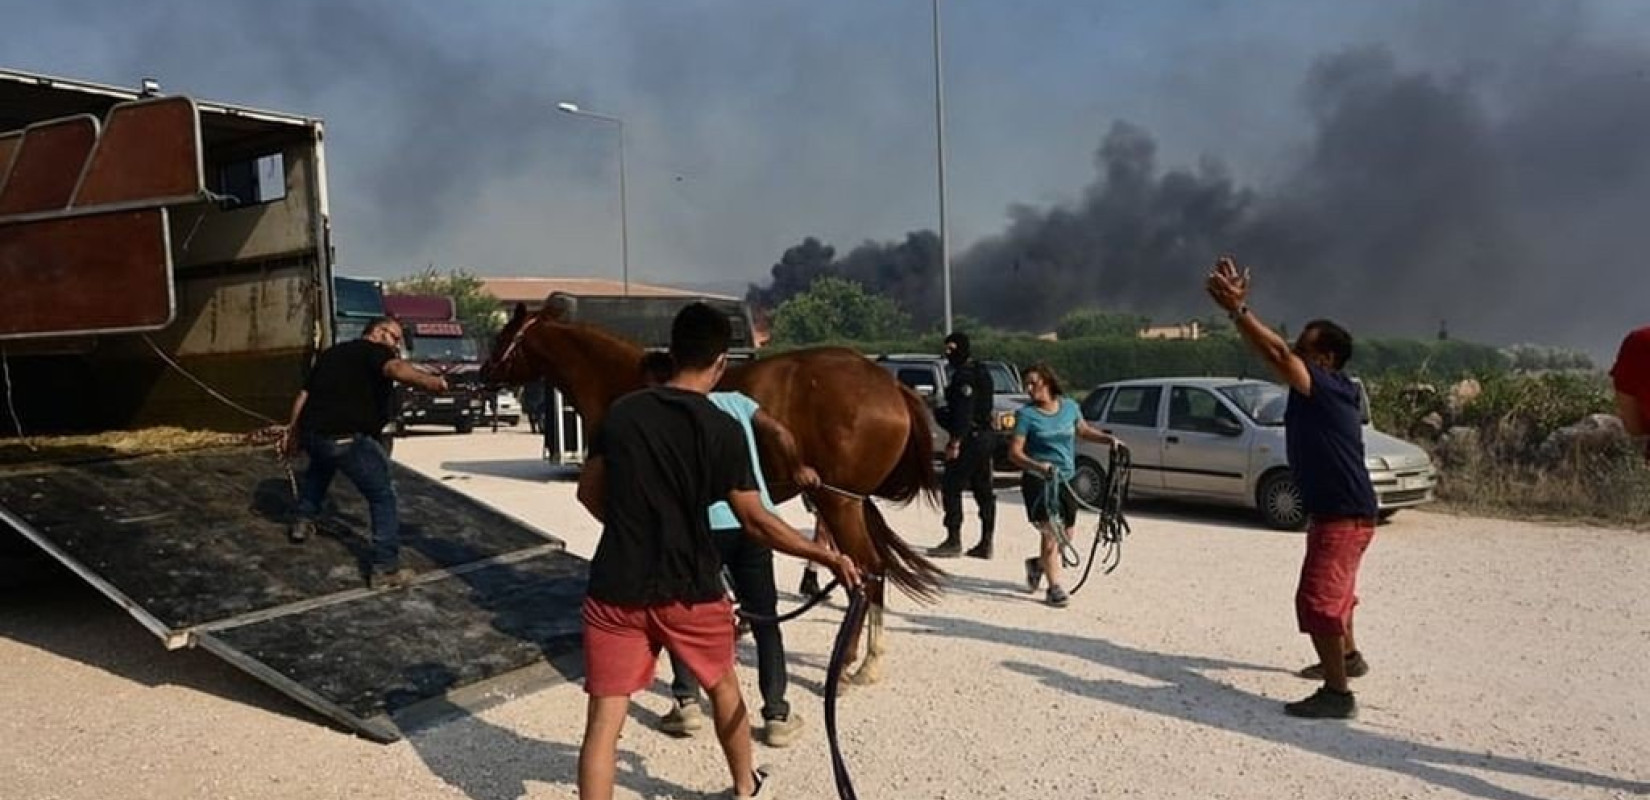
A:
{"points": [[1508, 663]]}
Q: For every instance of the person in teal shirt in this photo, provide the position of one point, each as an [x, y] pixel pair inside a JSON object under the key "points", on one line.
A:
{"points": [[749, 566], [1045, 447]]}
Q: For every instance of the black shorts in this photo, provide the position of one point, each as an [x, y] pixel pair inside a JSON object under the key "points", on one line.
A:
{"points": [[1032, 489]]}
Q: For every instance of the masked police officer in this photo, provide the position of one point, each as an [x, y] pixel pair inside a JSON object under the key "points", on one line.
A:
{"points": [[968, 453]]}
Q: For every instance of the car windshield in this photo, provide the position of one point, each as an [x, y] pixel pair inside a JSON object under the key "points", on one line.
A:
{"points": [[1262, 402], [1003, 380], [442, 348]]}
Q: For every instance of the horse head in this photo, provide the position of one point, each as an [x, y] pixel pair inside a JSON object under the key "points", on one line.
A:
{"points": [[507, 362]]}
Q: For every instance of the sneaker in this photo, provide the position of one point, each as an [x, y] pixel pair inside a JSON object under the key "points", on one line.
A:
{"points": [[950, 548], [1034, 573], [391, 580], [810, 584], [1356, 667], [683, 719], [1057, 597], [1325, 703], [301, 531], [981, 550], [782, 731], [764, 786]]}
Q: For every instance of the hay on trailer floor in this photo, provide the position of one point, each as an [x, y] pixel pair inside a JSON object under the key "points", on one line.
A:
{"points": [[39, 450]]}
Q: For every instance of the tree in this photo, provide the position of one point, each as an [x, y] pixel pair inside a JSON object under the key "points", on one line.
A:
{"points": [[833, 309], [477, 309], [1086, 323]]}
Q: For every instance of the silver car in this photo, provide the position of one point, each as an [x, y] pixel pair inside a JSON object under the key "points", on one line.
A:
{"points": [[1221, 440]]}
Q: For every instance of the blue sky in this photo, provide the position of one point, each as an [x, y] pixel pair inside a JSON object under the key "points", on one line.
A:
{"points": [[753, 124]]}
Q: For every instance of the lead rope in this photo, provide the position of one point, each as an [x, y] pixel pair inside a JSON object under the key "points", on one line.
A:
{"points": [[1113, 525], [858, 604], [286, 463]]}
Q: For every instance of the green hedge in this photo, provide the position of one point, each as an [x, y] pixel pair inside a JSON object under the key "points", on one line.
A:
{"points": [[1088, 362]]}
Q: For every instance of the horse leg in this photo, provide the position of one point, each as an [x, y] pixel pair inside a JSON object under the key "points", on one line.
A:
{"points": [[845, 520], [871, 671]]}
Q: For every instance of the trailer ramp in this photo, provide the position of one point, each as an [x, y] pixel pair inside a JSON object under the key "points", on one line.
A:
{"points": [[193, 545]]}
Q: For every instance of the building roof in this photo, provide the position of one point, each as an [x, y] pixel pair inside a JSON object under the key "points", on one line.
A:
{"points": [[532, 291]]}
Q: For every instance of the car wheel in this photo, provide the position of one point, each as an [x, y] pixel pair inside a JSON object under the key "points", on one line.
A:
{"points": [[464, 426], [1280, 502], [1089, 483], [1387, 515]]}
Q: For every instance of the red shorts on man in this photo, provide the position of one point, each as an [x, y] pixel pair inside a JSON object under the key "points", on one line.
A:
{"points": [[622, 643], [1329, 576]]}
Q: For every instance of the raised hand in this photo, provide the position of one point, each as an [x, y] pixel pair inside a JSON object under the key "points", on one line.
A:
{"points": [[1227, 286]]}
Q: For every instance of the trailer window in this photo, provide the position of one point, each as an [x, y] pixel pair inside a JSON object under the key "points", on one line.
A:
{"points": [[255, 180]]}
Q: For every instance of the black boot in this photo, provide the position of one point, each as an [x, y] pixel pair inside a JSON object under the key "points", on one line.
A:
{"points": [[983, 549], [950, 548]]}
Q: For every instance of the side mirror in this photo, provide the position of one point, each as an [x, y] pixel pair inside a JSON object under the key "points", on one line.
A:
{"points": [[1226, 426]]}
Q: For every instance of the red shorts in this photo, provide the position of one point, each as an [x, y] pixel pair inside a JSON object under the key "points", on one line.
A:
{"points": [[621, 643], [1329, 576]]}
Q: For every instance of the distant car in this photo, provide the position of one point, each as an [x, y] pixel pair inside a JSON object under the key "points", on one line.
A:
{"points": [[928, 375], [1221, 440], [507, 408]]}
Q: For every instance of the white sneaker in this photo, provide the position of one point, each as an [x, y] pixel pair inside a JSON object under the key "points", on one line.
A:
{"points": [[683, 719], [783, 731], [764, 786]]}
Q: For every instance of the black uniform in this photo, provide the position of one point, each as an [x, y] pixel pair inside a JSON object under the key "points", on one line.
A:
{"points": [[968, 403]]}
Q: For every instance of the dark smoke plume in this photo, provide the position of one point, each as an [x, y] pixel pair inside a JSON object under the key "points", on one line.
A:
{"points": [[1416, 197]]}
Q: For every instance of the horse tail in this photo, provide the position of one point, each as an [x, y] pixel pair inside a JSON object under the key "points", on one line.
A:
{"points": [[914, 474], [908, 569]]}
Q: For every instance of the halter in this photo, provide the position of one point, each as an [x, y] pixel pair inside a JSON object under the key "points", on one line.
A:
{"points": [[515, 341]]}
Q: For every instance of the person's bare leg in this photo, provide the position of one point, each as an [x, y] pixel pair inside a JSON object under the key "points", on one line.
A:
{"points": [[1332, 655], [1050, 554], [733, 730], [1350, 644], [599, 754]]}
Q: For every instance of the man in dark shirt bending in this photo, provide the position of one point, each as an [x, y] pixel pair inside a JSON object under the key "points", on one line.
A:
{"points": [[658, 460], [1323, 431], [337, 419]]}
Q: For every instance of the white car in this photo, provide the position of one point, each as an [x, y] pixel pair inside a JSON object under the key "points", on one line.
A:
{"points": [[1221, 440], [507, 408]]}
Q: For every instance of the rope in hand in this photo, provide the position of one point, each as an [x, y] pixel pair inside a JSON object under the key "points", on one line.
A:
{"points": [[1113, 526], [286, 463]]}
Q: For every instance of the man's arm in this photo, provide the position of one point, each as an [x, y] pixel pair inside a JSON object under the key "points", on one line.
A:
{"points": [[402, 370], [593, 486], [1632, 414], [1230, 291], [289, 437], [763, 526]]}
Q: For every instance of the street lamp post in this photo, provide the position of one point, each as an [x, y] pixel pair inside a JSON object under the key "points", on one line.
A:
{"points": [[939, 145], [624, 209]]}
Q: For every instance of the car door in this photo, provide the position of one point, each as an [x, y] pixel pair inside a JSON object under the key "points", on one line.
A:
{"points": [[1133, 417], [926, 381], [1205, 446]]}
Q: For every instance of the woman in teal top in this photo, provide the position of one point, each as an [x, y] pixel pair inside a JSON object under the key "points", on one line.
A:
{"points": [[1045, 446]]}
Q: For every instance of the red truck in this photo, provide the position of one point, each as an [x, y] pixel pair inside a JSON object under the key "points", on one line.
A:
{"points": [[435, 339]]}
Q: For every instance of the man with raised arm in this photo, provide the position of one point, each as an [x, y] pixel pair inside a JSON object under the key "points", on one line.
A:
{"points": [[1323, 429]]}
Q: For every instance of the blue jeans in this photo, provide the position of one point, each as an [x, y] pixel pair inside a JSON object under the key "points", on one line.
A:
{"points": [[750, 565], [363, 460]]}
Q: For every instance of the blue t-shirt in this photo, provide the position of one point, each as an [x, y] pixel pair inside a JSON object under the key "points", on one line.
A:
{"points": [[1325, 437], [1050, 437], [743, 409]]}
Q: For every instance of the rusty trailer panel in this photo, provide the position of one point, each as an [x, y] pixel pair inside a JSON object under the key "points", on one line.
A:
{"points": [[93, 273], [8, 148], [149, 152], [48, 165]]}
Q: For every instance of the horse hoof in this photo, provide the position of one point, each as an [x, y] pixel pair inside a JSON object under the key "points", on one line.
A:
{"points": [[867, 677]]}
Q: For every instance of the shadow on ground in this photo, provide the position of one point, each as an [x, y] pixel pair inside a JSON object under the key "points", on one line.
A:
{"points": [[1186, 693]]}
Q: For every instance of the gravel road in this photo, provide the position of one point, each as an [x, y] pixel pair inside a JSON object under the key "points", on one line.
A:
{"points": [[1508, 663]]}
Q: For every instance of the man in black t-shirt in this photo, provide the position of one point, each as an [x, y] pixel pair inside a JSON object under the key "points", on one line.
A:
{"points": [[336, 419], [659, 458], [1323, 432]]}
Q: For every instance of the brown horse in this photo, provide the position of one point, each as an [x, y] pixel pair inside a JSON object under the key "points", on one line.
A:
{"points": [[864, 433]]}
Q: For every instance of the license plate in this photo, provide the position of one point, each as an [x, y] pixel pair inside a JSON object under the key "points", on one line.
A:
{"points": [[443, 401], [1412, 483]]}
